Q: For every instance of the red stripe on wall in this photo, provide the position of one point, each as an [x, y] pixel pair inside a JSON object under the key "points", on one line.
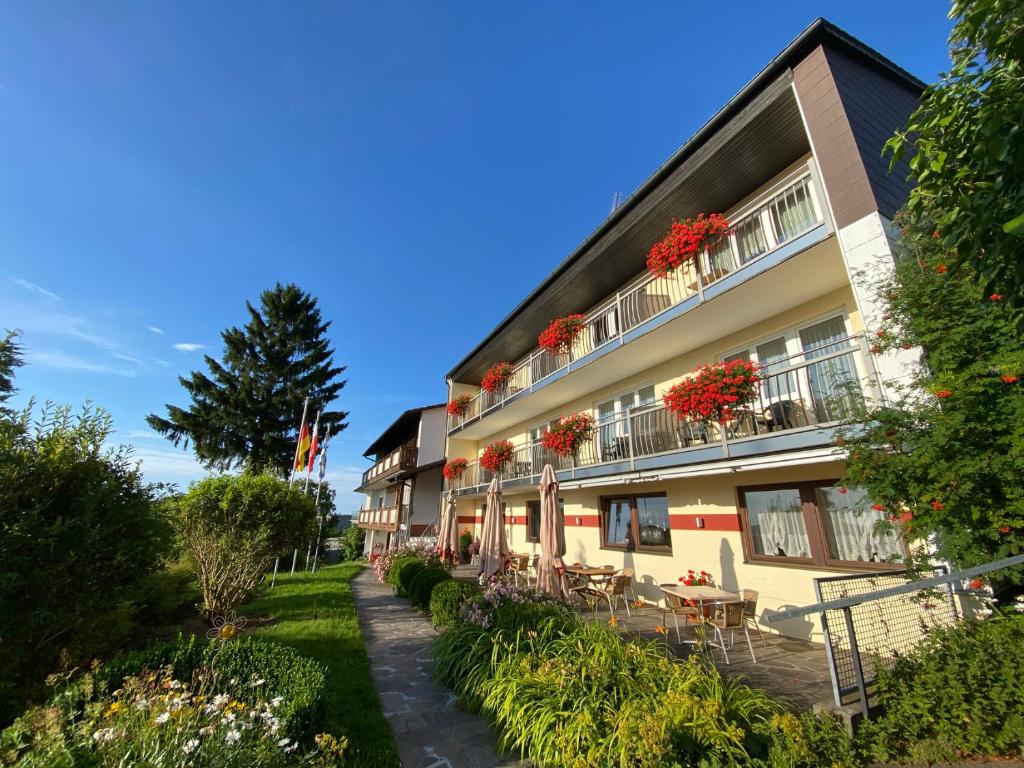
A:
{"points": [[470, 519], [711, 522], [583, 521]]}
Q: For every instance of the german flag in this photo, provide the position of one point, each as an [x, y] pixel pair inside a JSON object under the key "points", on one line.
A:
{"points": [[304, 442]]}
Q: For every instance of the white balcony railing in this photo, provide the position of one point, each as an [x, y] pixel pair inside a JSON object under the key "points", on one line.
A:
{"points": [[782, 214], [821, 387], [381, 518]]}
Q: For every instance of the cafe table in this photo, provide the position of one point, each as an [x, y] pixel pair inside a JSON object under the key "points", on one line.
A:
{"points": [[701, 595], [589, 574]]}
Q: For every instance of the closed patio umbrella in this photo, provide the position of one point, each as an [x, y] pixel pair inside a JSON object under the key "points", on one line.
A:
{"points": [[493, 545], [448, 531], [552, 538]]}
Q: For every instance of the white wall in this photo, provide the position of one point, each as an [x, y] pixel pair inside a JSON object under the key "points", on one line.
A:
{"points": [[433, 430]]}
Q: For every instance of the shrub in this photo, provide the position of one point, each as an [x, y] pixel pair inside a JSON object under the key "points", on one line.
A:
{"points": [[155, 718], [464, 541], [233, 527], [422, 585], [402, 573], [446, 601], [505, 606], [352, 542], [79, 534], [959, 694], [423, 552]]}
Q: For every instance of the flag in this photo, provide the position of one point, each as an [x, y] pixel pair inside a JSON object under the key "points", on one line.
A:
{"points": [[312, 454], [300, 454], [323, 456]]}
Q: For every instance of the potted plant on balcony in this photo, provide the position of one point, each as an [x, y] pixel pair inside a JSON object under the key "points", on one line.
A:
{"points": [[497, 456], [453, 469], [558, 337], [459, 406], [684, 241], [496, 377], [715, 391], [569, 434]]}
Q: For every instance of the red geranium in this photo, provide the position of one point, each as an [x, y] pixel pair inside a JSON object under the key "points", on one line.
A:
{"points": [[697, 579], [685, 241], [714, 391], [566, 437], [496, 376], [561, 333], [1008, 378], [497, 455], [460, 405], [453, 469]]}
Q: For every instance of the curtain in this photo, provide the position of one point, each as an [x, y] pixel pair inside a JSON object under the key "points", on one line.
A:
{"points": [[850, 523], [777, 523], [831, 380]]}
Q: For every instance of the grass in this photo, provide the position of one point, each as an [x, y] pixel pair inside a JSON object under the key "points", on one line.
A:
{"points": [[332, 637]]}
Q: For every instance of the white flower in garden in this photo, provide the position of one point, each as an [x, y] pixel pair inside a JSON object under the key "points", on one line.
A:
{"points": [[206, 730], [1018, 605], [984, 612], [284, 743], [190, 746], [292, 747], [260, 681], [163, 717], [276, 701], [221, 699], [229, 717], [103, 734], [141, 704], [233, 736]]}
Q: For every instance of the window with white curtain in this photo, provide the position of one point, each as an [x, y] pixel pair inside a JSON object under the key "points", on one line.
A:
{"points": [[816, 523]]}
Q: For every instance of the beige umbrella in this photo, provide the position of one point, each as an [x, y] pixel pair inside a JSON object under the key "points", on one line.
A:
{"points": [[493, 545], [448, 531], [552, 538]]}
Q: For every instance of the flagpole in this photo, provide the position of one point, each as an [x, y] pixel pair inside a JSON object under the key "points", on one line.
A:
{"points": [[291, 476], [309, 472], [316, 503]]}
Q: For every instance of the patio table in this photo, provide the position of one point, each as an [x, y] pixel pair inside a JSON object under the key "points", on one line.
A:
{"points": [[590, 573], [702, 595]]}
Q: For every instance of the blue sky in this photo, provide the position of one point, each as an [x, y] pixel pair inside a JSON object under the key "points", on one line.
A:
{"points": [[160, 163]]}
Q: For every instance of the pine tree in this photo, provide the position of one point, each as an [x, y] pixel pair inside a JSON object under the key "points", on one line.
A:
{"points": [[10, 358], [245, 412]]}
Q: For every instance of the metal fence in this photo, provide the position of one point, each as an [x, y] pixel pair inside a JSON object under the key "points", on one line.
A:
{"points": [[883, 627]]}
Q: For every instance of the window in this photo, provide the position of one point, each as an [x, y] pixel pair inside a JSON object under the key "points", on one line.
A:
{"points": [[613, 424], [793, 211], [814, 524], [636, 523], [533, 518], [750, 239]]}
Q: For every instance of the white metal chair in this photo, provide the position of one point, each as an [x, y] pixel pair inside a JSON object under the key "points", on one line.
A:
{"points": [[729, 614]]}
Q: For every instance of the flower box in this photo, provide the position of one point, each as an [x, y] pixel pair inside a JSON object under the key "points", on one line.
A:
{"points": [[460, 405], [453, 469], [571, 432], [714, 391], [496, 377], [685, 241], [560, 334], [497, 456]]}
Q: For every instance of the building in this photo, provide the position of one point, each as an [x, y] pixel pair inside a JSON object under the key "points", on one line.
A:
{"points": [[403, 487], [794, 163]]}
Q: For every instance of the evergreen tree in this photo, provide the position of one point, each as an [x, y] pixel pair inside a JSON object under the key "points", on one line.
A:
{"points": [[245, 412], [10, 358]]}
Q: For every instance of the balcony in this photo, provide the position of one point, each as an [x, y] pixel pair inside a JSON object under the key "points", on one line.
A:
{"points": [[784, 221], [399, 460], [798, 405], [378, 518]]}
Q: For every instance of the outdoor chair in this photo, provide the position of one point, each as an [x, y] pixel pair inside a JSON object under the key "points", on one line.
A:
{"points": [[675, 605], [729, 615], [518, 565], [610, 591], [750, 615]]}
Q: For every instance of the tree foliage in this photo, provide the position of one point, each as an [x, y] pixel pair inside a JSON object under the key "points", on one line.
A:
{"points": [[945, 458], [245, 411], [233, 527], [10, 358], [78, 535], [966, 147]]}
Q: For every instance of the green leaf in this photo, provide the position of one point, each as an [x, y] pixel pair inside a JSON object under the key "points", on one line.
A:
{"points": [[1015, 226]]}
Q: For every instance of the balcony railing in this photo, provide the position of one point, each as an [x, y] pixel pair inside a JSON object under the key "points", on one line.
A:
{"points": [[787, 211], [819, 388], [378, 518], [401, 458]]}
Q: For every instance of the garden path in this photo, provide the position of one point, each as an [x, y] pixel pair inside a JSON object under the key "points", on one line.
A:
{"points": [[430, 729]]}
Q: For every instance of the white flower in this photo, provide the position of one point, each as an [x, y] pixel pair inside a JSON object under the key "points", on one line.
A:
{"points": [[294, 745], [1018, 605], [206, 730], [221, 699], [163, 717], [142, 704], [260, 681], [233, 736], [229, 717], [276, 701], [284, 742], [104, 734], [984, 612], [190, 746]]}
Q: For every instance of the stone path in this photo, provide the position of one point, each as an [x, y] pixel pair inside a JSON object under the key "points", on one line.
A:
{"points": [[430, 730]]}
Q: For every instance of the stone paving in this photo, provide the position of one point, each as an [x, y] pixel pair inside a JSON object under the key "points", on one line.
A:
{"points": [[430, 730]]}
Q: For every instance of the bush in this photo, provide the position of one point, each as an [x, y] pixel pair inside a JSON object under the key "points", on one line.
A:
{"points": [[352, 541], [402, 573], [423, 583], [248, 703], [233, 527], [464, 541], [506, 606], [446, 601], [423, 552], [960, 694], [79, 534]]}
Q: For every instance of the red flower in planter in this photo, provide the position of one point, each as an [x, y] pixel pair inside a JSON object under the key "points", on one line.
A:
{"points": [[684, 241], [560, 334], [715, 391], [875, 349], [571, 432], [996, 297], [938, 505], [496, 377], [878, 507], [460, 405], [880, 333], [453, 469], [497, 455], [697, 579], [977, 583]]}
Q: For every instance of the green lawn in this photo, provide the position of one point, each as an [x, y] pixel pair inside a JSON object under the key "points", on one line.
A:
{"points": [[334, 639]]}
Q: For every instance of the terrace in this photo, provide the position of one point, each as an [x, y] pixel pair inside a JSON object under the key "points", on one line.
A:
{"points": [[378, 518], [798, 405], [386, 468], [781, 223]]}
